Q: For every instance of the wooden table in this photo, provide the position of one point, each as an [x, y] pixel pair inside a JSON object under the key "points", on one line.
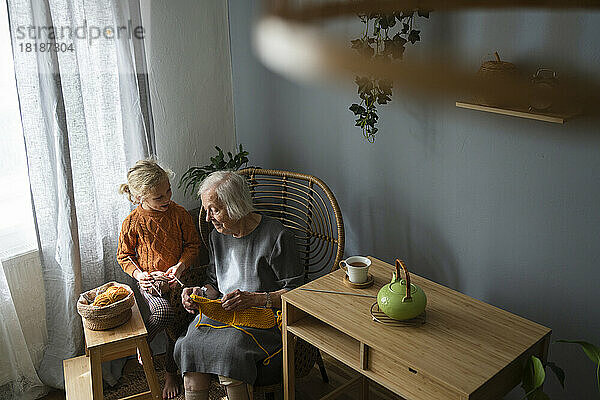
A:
{"points": [[466, 349], [83, 375]]}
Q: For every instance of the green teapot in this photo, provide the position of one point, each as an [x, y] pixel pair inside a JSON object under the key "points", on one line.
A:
{"points": [[394, 300]]}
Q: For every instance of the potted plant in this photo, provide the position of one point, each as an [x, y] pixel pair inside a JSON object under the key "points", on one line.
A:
{"points": [[192, 178], [534, 373]]}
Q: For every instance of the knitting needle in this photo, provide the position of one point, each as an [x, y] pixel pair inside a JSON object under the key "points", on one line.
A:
{"points": [[174, 277], [332, 291], [138, 268], [178, 281]]}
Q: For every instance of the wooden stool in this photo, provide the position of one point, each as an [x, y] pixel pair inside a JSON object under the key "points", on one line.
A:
{"points": [[83, 375]]}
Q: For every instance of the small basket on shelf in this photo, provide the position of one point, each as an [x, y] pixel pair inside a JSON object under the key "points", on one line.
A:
{"points": [[495, 72], [106, 307]]}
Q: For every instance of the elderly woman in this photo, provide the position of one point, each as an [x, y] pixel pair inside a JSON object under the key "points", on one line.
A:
{"points": [[253, 261]]}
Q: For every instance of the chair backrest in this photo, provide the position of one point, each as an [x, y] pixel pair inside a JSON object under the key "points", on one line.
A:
{"points": [[304, 204]]}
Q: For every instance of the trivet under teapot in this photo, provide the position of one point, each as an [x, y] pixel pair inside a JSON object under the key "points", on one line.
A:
{"points": [[379, 316]]}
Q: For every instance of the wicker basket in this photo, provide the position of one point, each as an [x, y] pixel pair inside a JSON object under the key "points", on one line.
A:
{"points": [[100, 318], [496, 71]]}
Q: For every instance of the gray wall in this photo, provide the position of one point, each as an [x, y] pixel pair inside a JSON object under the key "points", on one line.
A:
{"points": [[189, 65], [500, 208]]}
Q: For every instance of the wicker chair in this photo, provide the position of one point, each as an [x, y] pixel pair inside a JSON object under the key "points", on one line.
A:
{"points": [[304, 204]]}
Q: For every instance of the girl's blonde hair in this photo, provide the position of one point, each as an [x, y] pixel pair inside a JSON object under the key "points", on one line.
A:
{"points": [[144, 176]]}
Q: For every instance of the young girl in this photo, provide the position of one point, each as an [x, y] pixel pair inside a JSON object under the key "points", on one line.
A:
{"points": [[158, 241]]}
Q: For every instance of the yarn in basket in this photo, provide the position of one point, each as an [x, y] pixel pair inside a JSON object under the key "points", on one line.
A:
{"points": [[110, 295]]}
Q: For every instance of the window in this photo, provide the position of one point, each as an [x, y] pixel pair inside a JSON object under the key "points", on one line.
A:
{"points": [[17, 232]]}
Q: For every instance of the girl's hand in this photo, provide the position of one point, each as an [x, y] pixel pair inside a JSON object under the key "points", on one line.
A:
{"points": [[174, 272], [145, 280], [161, 281], [159, 276], [240, 300]]}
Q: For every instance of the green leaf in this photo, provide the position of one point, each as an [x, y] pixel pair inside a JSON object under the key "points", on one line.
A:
{"points": [[533, 374], [399, 40], [357, 109], [383, 23], [558, 371], [413, 36], [592, 351], [383, 98], [385, 85], [391, 21], [423, 13], [405, 28]]}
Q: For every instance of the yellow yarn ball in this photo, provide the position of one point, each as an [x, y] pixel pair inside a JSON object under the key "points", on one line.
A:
{"points": [[110, 296]]}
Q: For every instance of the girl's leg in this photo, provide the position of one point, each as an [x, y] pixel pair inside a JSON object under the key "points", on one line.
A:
{"points": [[161, 314], [172, 379], [161, 317], [196, 385]]}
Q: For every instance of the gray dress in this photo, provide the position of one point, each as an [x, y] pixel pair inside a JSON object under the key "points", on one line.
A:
{"points": [[265, 260]]}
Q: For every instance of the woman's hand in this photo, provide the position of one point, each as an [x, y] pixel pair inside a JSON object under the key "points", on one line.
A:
{"points": [[211, 292], [186, 299], [240, 300]]}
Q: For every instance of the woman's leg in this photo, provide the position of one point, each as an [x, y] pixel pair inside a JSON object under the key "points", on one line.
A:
{"points": [[236, 390], [196, 385]]}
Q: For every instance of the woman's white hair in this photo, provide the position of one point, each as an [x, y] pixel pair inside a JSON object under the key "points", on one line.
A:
{"points": [[232, 190]]}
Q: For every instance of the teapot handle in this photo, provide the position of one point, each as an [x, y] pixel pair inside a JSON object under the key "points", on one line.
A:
{"points": [[400, 263]]}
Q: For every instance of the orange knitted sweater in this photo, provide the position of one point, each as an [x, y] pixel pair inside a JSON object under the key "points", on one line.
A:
{"points": [[157, 240]]}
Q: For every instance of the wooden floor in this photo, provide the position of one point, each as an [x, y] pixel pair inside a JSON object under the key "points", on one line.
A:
{"points": [[310, 387]]}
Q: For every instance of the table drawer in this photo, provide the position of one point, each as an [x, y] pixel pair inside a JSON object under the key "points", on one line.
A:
{"points": [[401, 378]]}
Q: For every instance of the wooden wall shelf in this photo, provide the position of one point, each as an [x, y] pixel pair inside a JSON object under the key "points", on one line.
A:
{"points": [[522, 113]]}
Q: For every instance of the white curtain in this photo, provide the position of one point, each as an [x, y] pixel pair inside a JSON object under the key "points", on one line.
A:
{"points": [[18, 353], [83, 126]]}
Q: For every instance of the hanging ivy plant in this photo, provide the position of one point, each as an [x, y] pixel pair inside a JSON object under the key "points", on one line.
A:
{"points": [[386, 40]]}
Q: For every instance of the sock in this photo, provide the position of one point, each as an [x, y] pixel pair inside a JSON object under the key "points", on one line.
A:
{"points": [[237, 392], [196, 394]]}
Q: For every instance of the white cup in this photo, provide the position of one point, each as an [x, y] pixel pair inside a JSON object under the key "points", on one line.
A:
{"points": [[357, 268]]}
